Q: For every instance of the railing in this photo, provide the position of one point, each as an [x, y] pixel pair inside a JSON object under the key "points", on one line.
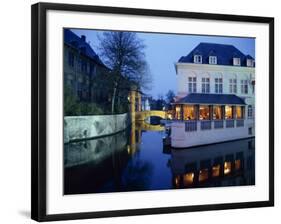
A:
{"points": [[229, 123], [218, 124], [206, 125], [194, 125], [191, 126], [240, 123]]}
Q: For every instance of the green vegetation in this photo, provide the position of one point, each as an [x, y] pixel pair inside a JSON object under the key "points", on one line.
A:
{"points": [[72, 107]]}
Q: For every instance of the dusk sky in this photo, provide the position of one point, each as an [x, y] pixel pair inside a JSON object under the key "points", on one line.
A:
{"points": [[164, 50]]}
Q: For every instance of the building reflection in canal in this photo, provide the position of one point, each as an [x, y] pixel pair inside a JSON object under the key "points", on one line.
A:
{"points": [[135, 160]]}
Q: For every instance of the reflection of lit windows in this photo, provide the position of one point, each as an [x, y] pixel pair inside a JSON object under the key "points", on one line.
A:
{"points": [[188, 112], [177, 181], [204, 112], [240, 112], [237, 164], [188, 179], [203, 175], [216, 170], [192, 85], [227, 168], [217, 112], [228, 112]]}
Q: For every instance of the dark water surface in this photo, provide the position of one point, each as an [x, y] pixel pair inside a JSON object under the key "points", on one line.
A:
{"points": [[135, 160]]}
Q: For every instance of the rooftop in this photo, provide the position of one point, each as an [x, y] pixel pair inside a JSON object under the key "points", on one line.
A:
{"points": [[224, 53], [80, 44], [203, 98]]}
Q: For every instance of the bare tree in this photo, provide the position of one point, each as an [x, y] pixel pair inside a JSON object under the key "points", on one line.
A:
{"points": [[123, 53]]}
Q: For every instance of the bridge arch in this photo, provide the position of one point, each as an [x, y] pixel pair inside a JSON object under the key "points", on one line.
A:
{"points": [[142, 115]]}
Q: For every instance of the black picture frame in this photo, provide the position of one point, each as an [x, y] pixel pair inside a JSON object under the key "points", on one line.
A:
{"points": [[39, 108]]}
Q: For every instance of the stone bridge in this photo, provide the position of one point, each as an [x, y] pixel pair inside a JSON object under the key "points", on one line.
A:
{"points": [[142, 115]]}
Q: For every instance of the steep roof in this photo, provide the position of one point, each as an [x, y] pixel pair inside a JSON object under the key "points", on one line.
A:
{"points": [[81, 45], [207, 98], [224, 52]]}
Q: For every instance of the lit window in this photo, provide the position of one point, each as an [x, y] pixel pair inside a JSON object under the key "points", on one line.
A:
{"points": [[250, 63], [217, 113], [218, 85], [213, 60], [244, 86], [236, 61], [240, 112], [178, 112], [192, 85], [204, 112], [198, 59], [188, 112], [205, 85], [232, 86], [228, 112]]}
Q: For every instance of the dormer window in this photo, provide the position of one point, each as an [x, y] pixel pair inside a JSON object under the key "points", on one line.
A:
{"points": [[213, 60], [236, 61], [198, 59], [250, 63]]}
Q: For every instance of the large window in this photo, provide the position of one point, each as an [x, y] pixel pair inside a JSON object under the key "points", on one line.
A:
{"points": [[198, 59], [205, 85], [218, 85], [178, 112], [240, 112], [244, 86], [204, 113], [188, 112], [217, 113], [232, 86], [228, 112], [192, 85]]}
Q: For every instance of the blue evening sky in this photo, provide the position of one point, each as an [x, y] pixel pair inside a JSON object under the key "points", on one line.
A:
{"points": [[164, 50]]}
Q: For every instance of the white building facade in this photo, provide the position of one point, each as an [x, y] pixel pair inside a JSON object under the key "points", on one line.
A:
{"points": [[215, 99]]}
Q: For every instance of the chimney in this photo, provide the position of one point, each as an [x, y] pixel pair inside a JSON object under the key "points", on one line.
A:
{"points": [[83, 37]]}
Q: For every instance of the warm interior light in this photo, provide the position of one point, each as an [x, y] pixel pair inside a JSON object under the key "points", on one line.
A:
{"points": [[188, 179], [216, 171], [227, 167], [237, 164], [203, 175], [177, 181]]}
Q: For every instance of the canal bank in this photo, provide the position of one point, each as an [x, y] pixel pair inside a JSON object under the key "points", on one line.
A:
{"points": [[86, 127]]}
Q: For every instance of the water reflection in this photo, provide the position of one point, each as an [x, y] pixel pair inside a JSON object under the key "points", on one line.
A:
{"points": [[136, 160], [225, 164]]}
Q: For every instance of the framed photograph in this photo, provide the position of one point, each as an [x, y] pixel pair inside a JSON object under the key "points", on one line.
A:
{"points": [[139, 111]]}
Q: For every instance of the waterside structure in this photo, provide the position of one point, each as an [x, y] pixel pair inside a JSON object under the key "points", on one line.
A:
{"points": [[215, 96]]}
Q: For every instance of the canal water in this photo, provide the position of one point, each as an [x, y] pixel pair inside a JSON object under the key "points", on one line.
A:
{"points": [[136, 160]]}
